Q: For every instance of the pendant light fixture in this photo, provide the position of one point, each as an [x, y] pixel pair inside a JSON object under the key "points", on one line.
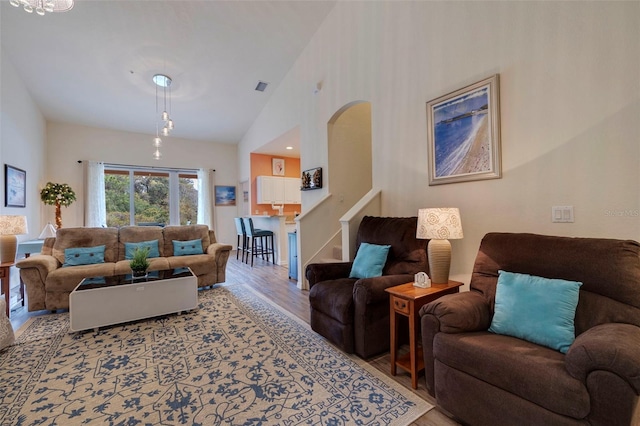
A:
{"points": [[163, 82], [43, 6]]}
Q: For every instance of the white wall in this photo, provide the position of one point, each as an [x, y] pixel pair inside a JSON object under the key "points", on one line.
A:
{"points": [[69, 143], [570, 102], [22, 144]]}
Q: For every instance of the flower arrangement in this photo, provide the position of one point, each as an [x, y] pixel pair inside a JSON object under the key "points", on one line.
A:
{"points": [[57, 193]]}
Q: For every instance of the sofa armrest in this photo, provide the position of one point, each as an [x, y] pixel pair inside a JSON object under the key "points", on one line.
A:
{"points": [[42, 262], [318, 272], [611, 347], [33, 272], [371, 290], [216, 248], [459, 312]]}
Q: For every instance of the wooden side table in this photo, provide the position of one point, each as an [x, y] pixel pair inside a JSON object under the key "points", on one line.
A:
{"points": [[5, 275], [406, 300]]}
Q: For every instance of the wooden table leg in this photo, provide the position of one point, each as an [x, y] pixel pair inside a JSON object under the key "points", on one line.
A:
{"points": [[413, 349], [394, 337], [5, 287]]}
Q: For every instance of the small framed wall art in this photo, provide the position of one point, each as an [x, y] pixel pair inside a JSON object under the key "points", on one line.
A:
{"points": [[311, 179], [225, 195], [277, 165], [15, 183], [463, 134]]}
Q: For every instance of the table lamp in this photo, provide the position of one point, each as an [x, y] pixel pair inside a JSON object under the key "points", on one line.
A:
{"points": [[10, 226], [439, 225], [47, 232]]}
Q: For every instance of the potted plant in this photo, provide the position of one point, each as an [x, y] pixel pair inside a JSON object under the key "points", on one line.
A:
{"points": [[57, 194], [139, 263]]}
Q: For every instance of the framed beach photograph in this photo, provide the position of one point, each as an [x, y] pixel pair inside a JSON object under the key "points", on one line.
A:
{"points": [[463, 134], [277, 165], [15, 181], [225, 195]]}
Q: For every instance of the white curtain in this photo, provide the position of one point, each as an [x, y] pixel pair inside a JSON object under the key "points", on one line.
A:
{"points": [[205, 211], [95, 211]]}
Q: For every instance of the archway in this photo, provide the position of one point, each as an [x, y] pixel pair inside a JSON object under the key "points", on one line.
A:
{"points": [[349, 175]]}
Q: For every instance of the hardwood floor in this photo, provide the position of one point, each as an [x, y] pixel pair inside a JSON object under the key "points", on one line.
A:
{"points": [[273, 282]]}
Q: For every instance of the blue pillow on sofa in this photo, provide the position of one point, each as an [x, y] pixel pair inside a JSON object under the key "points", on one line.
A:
{"points": [[83, 256], [369, 261], [539, 310], [130, 248], [184, 248]]}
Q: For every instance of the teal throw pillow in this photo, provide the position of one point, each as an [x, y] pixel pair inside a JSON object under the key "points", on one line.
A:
{"points": [[130, 248], [184, 248], [83, 256], [369, 261], [536, 309]]}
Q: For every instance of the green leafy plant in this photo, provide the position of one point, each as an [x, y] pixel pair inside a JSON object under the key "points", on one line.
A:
{"points": [[139, 262], [57, 193]]}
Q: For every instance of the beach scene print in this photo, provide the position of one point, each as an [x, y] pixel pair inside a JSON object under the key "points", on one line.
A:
{"points": [[462, 135], [225, 195]]}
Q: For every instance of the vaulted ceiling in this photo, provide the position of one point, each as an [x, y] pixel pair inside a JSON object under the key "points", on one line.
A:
{"points": [[93, 65]]}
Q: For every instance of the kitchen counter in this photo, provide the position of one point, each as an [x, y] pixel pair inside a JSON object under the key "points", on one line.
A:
{"points": [[280, 225]]}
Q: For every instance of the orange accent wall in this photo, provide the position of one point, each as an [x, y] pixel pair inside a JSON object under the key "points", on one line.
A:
{"points": [[261, 166]]}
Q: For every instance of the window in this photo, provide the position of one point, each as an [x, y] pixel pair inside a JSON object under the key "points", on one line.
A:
{"points": [[138, 195]]}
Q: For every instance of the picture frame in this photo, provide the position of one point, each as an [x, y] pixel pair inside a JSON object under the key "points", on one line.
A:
{"points": [[463, 134], [225, 195], [277, 166], [15, 184], [311, 179]]}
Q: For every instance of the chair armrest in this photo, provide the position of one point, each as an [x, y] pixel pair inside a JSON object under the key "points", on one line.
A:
{"points": [[371, 290], [452, 313], [459, 312], [318, 272], [611, 347], [42, 262]]}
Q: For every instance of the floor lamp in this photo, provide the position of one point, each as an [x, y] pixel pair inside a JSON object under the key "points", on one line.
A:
{"points": [[439, 225], [10, 226]]}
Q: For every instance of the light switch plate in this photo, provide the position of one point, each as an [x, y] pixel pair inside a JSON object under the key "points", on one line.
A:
{"points": [[562, 214]]}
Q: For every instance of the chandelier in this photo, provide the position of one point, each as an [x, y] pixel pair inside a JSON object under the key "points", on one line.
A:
{"points": [[43, 6], [165, 121]]}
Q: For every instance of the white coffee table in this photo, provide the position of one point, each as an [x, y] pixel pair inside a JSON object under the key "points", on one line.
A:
{"points": [[102, 301]]}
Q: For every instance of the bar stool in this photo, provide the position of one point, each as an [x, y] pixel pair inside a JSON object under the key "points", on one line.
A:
{"points": [[241, 233], [258, 241]]}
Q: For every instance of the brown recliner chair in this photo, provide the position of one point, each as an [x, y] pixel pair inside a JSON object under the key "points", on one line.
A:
{"points": [[354, 313], [484, 378]]}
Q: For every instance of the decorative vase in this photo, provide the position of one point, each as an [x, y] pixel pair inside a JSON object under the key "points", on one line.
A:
{"points": [[58, 216], [139, 273]]}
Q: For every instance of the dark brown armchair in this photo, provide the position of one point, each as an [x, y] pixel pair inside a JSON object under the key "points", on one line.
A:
{"points": [[483, 378], [354, 313]]}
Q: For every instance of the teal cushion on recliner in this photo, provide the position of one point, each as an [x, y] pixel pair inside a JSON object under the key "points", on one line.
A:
{"points": [[536, 309], [369, 261]]}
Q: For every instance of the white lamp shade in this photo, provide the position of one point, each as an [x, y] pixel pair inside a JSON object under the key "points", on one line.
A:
{"points": [[13, 225], [47, 232], [439, 224]]}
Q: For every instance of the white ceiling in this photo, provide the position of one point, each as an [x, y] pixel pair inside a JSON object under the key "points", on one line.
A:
{"points": [[93, 65]]}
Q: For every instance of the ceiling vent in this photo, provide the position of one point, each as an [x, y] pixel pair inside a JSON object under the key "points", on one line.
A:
{"points": [[261, 86]]}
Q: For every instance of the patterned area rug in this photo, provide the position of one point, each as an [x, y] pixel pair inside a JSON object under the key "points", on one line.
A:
{"points": [[238, 360]]}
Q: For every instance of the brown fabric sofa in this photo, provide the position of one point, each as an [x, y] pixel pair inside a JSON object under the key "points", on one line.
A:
{"points": [[354, 313], [484, 378], [48, 283]]}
